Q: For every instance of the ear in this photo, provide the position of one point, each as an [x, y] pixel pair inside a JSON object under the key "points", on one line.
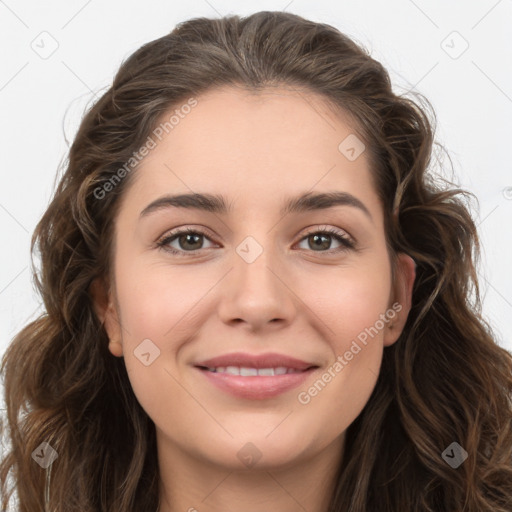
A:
{"points": [[103, 304], [405, 274]]}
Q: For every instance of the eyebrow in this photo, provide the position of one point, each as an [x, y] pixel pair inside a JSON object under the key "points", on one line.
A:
{"points": [[217, 204]]}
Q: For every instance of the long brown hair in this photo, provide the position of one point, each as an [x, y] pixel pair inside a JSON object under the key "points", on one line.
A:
{"points": [[445, 380]]}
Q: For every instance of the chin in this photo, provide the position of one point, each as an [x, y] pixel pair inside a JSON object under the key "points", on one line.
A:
{"points": [[260, 451]]}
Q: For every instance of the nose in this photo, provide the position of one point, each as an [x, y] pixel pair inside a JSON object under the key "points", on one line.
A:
{"points": [[258, 294]]}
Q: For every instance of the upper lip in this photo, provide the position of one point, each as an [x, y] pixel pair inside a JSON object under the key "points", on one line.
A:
{"points": [[267, 360]]}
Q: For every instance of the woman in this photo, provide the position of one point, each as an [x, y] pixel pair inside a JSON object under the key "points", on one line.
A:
{"points": [[318, 346]]}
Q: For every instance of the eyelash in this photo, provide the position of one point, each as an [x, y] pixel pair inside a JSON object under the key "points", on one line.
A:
{"points": [[347, 243]]}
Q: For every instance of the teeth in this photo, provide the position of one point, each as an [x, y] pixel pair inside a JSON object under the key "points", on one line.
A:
{"points": [[253, 372], [248, 372]]}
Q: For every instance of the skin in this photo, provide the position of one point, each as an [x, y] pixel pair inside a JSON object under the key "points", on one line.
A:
{"points": [[295, 299]]}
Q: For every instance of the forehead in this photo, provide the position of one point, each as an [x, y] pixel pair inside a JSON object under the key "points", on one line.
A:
{"points": [[258, 123], [257, 145]]}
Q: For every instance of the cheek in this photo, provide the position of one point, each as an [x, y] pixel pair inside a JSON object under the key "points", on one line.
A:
{"points": [[165, 305], [352, 308], [350, 302], [158, 302]]}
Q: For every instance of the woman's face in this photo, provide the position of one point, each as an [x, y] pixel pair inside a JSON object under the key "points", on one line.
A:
{"points": [[254, 279]]}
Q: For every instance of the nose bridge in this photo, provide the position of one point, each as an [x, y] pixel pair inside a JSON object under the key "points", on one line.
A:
{"points": [[255, 263], [254, 248]]}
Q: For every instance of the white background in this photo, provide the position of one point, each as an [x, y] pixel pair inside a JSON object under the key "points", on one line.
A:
{"points": [[42, 101]]}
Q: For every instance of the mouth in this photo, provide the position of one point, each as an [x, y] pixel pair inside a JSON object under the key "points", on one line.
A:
{"points": [[252, 372], [255, 377]]}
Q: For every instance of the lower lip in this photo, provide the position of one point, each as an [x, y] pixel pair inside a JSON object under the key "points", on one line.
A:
{"points": [[256, 387]]}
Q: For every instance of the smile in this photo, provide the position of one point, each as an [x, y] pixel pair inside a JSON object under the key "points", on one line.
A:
{"points": [[253, 372]]}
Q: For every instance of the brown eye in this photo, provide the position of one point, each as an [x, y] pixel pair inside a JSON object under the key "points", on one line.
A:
{"points": [[321, 241], [188, 240]]}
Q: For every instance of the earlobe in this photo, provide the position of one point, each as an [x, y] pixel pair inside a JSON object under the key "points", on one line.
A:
{"points": [[116, 348], [402, 297]]}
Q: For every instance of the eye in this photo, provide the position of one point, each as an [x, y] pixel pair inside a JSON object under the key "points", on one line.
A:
{"points": [[321, 239], [184, 237]]}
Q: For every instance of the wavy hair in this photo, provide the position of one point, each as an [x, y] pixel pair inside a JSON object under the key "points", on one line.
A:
{"points": [[445, 380]]}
